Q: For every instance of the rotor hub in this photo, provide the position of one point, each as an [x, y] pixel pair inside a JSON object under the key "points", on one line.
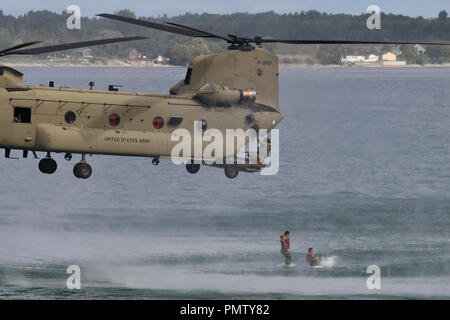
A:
{"points": [[240, 43]]}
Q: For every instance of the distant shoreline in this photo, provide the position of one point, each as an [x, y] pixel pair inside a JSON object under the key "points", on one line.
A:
{"points": [[40, 64], [304, 65], [283, 65]]}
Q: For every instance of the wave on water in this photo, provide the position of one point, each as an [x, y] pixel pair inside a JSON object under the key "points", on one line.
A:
{"points": [[283, 265], [328, 262]]}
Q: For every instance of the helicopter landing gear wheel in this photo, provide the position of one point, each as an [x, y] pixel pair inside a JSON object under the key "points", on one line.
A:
{"points": [[82, 170], [47, 165], [192, 167], [155, 161], [231, 171]]}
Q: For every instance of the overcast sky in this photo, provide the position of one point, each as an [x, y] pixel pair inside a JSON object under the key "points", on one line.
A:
{"points": [[151, 8]]}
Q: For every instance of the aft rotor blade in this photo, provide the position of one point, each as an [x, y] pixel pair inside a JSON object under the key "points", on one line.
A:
{"points": [[73, 45], [156, 25], [348, 42], [20, 46], [210, 35], [193, 32]]}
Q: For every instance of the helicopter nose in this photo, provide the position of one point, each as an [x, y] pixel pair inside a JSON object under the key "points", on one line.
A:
{"points": [[276, 118], [268, 120]]}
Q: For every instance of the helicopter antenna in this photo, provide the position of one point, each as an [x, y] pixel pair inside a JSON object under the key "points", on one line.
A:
{"points": [[244, 43]]}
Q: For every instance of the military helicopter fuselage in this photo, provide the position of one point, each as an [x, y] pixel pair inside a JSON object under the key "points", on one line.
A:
{"points": [[231, 90], [234, 89]]}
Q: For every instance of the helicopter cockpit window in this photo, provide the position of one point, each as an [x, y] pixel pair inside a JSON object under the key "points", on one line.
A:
{"points": [[22, 115], [187, 80]]}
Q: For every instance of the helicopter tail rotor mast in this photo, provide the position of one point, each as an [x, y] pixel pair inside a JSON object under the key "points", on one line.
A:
{"points": [[245, 43]]}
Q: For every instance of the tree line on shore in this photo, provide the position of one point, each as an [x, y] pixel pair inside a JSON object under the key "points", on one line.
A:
{"points": [[50, 27]]}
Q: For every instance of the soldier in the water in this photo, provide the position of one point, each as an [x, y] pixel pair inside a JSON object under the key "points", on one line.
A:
{"points": [[311, 258], [285, 245]]}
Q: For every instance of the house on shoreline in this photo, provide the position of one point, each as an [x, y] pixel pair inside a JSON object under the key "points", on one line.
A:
{"points": [[353, 59], [160, 60], [132, 54], [385, 58]]}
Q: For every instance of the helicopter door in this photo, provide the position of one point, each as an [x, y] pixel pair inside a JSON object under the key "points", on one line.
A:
{"points": [[23, 133]]}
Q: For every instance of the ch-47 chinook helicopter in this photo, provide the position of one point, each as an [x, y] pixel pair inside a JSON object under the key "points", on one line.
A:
{"points": [[234, 89]]}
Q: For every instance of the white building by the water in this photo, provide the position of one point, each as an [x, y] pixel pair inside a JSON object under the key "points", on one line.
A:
{"points": [[372, 58]]}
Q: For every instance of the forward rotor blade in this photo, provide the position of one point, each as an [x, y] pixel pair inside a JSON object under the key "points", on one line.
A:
{"points": [[210, 35], [26, 44], [73, 45], [347, 42], [156, 25]]}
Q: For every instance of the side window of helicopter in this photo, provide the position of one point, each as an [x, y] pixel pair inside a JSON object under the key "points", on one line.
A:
{"points": [[70, 117], [114, 120], [187, 80], [158, 122], [22, 115]]}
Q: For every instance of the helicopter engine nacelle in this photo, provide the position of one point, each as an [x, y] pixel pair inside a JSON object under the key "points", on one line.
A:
{"points": [[217, 95]]}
